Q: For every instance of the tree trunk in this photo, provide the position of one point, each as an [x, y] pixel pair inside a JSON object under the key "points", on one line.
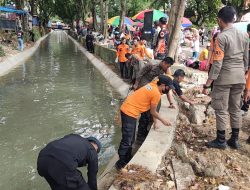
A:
{"points": [[94, 17], [122, 14], [175, 32], [173, 11], [105, 28], [33, 7], [102, 7]]}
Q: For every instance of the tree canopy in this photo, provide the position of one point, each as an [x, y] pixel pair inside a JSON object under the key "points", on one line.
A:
{"points": [[199, 11]]}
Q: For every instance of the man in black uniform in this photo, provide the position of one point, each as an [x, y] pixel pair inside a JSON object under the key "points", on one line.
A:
{"points": [[179, 76], [90, 42], [59, 160]]}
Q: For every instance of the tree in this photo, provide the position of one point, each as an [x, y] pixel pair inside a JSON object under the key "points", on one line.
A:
{"points": [[106, 13], [102, 7], [122, 14], [157, 4], [46, 10], [202, 11], [241, 6], [176, 14], [33, 5]]}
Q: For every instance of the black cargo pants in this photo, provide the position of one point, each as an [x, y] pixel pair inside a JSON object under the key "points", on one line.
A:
{"points": [[128, 138], [145, 123], [58, 176]]}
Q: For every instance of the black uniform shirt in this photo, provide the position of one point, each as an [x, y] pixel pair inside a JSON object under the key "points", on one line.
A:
{"points": [[74, 151], [177, 88]]}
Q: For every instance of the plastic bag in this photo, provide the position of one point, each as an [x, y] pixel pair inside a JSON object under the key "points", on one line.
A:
{"points": [[116, 60]]}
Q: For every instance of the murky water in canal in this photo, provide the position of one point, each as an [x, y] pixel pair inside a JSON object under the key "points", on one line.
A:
{"points": [[55, 93]]}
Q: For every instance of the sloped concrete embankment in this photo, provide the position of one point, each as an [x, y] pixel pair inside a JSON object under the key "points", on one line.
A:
{"points": [[12, 62], [158, 141]]}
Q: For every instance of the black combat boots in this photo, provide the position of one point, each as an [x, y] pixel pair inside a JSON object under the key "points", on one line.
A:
{"points": [[219, 142], [233, 142]]}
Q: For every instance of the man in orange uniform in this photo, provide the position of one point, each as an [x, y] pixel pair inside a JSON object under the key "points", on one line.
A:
{"points": [[122, 50], [143, 43], [139, 54], [146, 98], [137, 49]]}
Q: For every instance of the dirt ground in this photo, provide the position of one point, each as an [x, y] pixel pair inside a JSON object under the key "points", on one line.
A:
{"points": [[229, 167], [11, 49]]}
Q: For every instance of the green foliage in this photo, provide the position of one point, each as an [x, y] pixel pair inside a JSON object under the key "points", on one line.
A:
{"points": [[202, 11], [133, 7], [46, 10], [36, 31], [239, 5], [2, 53]]}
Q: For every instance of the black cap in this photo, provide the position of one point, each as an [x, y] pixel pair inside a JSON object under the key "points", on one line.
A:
{"points": [[163, 20], [163, 79], [96, 141]]}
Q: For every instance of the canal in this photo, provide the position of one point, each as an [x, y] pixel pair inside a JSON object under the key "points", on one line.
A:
{"points": [[56, 92]]}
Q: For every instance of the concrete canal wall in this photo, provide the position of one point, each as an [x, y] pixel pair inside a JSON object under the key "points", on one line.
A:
{"points": [[158, 141], [12, 62]]}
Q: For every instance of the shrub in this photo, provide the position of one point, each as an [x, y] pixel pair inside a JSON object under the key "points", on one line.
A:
{"points": [[36, 31]]}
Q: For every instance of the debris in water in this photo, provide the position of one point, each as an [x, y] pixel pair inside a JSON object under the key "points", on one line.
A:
{"points": [[3, 120]]}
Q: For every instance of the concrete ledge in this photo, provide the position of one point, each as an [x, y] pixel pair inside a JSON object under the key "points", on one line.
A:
{"points": [[158, 141], [12, 62]]}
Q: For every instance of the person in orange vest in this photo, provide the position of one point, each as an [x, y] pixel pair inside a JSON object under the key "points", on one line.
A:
{"points": [[143, 43], [137, 49], [146, 98], [122, 50]]}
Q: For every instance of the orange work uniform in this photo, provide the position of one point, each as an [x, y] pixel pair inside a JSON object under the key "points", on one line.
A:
{"points": [[138, 51], [141, 100], [122, 50]]}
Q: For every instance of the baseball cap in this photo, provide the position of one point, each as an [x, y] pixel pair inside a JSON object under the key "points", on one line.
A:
{"points": [[163, 20], [96, 141], [163, 79]]}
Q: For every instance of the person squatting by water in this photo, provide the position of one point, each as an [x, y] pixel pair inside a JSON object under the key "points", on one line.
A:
{"points": [[178, 77], [230, 64], [59, 160], [142, 100]]}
